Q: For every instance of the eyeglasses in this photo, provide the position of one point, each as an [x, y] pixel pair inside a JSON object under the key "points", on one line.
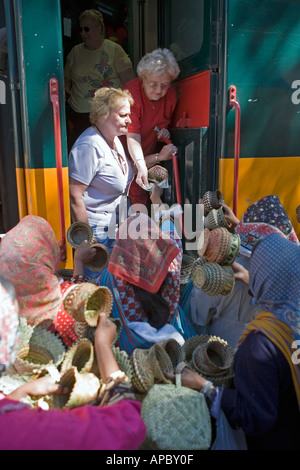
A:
{"points": [[154, 85]]}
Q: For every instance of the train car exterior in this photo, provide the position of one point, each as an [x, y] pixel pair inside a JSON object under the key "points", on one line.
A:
{"points": [[237, 118]]}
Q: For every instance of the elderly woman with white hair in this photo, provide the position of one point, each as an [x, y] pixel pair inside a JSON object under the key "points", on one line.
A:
{"points": [[154, 104]]}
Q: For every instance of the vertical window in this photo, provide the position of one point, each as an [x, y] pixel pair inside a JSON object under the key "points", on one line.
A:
{"points": [[186, 28]]}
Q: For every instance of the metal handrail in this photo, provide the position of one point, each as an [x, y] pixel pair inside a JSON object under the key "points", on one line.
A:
{"points": [[233, 103], [54, 97]]}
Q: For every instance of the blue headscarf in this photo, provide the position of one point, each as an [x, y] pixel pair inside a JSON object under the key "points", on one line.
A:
{"points": [[274, 279]]}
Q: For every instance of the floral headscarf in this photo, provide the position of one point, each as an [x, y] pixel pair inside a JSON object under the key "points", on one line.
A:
{"points": [[29, 257], [265, 216], [274, 279], [142, 253], [9, 332]]}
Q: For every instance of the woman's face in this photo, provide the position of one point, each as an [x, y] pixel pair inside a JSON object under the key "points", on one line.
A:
{"points": [[118, 119], [156, 86], [91, 33]]}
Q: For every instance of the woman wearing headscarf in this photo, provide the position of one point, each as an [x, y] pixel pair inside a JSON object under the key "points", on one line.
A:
{"points": [[265, 399], [117, 426], [29, 258], [144, 276]]}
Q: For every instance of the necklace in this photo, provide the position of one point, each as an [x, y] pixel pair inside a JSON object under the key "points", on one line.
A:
{"points": [[117, 156]]}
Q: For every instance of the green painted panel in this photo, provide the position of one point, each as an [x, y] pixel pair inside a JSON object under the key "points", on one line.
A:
{"points": [[264, 65], [40, 42]]}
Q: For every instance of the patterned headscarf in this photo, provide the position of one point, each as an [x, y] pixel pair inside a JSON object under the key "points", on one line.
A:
{"points": [[142, 253], [29, 257], [9, 332], [274, 279], [262, 218]]}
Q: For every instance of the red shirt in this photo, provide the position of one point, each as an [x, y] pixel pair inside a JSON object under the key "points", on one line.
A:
{"points": [[145, 115]]}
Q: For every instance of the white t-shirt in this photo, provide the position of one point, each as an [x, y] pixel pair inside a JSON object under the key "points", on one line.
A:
{"points": [[93, 163]]}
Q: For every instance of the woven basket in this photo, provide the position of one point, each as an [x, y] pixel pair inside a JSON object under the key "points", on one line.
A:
{"points": [[50, 342], [174, 351], [216, 218], [212, 200], [80, 355], [84, 302], [224, 377], [157, 174], [232, 250], [214, 279], [148, 366], [79, 232], [83, 388], [101, 258], [32, 359], [214, 244], [176, 418], [212, 357]]}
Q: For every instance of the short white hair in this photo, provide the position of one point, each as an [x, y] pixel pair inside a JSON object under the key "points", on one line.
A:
{"points": [[159, 61]]}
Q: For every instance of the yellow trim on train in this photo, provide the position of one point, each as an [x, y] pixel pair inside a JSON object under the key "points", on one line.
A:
{"points": [[260, 177], [38, 195]]}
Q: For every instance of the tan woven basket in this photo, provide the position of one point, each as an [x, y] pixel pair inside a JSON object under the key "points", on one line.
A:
{"points": [[80, 355], [148, 367], [79, 232], [212, 200], [84, 302], [32, 359], [101, 258], [83, 388]]}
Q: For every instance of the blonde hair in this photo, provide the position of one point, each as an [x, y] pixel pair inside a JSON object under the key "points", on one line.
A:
{"points": [[159, 61], [105, 101], [95, 16]]}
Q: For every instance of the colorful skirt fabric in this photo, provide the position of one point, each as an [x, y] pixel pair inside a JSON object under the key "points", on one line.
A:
{"points": [[129, 339]]}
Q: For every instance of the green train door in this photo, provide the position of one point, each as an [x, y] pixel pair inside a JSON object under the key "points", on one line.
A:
{"points": [[263, 69], [35, 54]]}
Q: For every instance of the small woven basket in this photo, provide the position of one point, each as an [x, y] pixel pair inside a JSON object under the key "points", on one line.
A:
{"points": [[79, 232], [83, 388], [148, 367], [101, 258], [216, 218], [213, 279], [214, 244], [32, 359], [84, 302], [80, 355], [212, 357], [212, 200], [174, 351], [157, 174]]}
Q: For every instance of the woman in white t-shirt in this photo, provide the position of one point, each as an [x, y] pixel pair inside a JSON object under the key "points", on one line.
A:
{"points": [[96, 62], [99, 171]]}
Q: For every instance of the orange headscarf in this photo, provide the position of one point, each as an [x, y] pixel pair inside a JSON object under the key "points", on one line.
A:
{"points": [[29, 257]]}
